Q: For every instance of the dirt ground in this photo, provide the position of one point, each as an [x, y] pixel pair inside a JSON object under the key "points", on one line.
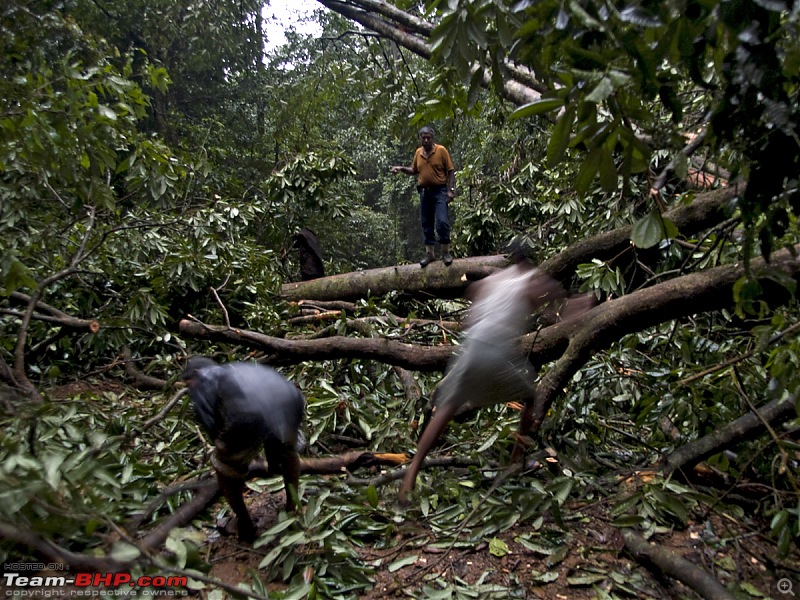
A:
{"points": [[595, 562]]}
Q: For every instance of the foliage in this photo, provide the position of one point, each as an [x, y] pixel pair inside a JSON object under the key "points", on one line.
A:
{"points": [[150, 144], [65, 463], [728, 69]]}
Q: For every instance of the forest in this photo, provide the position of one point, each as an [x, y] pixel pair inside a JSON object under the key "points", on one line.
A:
{"points": [[163, 167]]}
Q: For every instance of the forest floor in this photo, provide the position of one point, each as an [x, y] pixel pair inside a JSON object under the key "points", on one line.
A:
{"points": [[591, 563], [596, 563]]}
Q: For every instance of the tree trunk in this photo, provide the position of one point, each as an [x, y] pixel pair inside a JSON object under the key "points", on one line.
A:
{"points": [[434, 280], [708, 210]]}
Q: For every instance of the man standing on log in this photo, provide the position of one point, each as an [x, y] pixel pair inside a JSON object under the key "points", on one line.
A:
{"points": [[436, 184]]}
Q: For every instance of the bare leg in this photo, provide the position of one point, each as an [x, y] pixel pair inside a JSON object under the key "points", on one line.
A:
{"points": [[525, 424], [287, 462], [432, 432], [232, 488]]}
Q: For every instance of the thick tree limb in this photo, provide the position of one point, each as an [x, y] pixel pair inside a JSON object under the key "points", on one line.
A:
{"points": [[708, 209], [142, 379], [701, 292], [284, 352], [744, 428], [434, 280], [519, 86], [677, 567]]}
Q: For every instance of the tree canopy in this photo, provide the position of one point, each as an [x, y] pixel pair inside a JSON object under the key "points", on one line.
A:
{"points": [[156, 163]]}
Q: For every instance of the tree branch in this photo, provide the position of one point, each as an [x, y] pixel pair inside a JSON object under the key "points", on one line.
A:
{"points": [[435, 280], [746, 427], [675, 566], [681, 297]]}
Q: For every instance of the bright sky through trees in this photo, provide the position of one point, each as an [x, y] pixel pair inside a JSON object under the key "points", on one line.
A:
{"points": [[282, 15]]}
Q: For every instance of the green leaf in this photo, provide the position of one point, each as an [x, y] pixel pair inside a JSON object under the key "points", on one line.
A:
{"points": [[123, 552], [628, 521], [536, 108], [498, 547], [372, 496], [586, 580], [560, 139], [651, 229], [107, 112], [15, 275], [403, 562], [588, 170], [52, 465], [608, 170], [548, 577], [601, 91]]}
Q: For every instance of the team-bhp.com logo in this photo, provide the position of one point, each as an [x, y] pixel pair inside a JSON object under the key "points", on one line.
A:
{"points": [[29, 585]]}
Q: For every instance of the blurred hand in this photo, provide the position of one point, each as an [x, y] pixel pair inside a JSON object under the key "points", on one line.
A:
{"points": [[577, 305]]}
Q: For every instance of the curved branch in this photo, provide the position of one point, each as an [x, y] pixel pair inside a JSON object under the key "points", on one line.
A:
{"points": [[54, 553], [392, 31], [520, 87], [204, 496], [22, 335], [142, 379], [708, 209], [682, 297], [52, 314], [284, 352]]}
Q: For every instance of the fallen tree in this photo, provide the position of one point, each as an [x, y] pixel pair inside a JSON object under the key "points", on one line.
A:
{"points": [[708, 210], [436, 280], [700, 292]]}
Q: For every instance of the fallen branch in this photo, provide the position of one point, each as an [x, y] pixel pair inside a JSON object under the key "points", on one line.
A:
{"points": [[137, 519], [323, 306], [51, 314], [53, 553], [208, 491], [140, 378], [744, 428], [282, 352], [397, 474], [435, 280], [677, 567], [607, 323], [316, 317], [206, 495], [167, 407]]}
